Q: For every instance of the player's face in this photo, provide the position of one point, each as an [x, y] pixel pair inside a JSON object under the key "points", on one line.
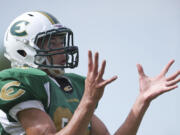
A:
{"points": [[55, 42]]}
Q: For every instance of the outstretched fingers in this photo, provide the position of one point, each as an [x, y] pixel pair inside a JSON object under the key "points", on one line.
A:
{"points": [[171, 88], [172, 77], [173, 82], [106, 82], [101, 72], [90, 61], [140, 70], [166, 68], [96, 61], [93, 70]]}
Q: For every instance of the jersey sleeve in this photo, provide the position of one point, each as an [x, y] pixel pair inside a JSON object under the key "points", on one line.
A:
{"points": [[20, 86], [25, 105]]}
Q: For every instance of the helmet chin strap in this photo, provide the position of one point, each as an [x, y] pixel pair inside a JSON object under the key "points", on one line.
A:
{"points": [[56, 72]]}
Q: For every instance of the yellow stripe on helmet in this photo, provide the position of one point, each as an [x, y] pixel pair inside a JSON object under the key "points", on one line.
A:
{"points": [[46, 15]]}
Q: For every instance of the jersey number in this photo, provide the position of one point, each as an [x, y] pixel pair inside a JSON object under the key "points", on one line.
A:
{"points": [[61, 118]]}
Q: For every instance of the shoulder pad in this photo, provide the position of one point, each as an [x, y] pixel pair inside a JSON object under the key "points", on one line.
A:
{"points": [[25, 71], [74, 76], [21, 84]]}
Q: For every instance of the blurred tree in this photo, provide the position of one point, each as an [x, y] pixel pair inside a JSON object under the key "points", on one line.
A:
{"points": [[4, 63]]}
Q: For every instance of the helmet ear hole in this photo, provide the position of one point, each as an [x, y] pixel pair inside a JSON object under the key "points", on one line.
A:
{"points": [[22, 53]]}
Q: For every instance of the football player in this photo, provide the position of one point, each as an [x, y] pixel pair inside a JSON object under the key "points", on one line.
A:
{"points": [[38, 98]]}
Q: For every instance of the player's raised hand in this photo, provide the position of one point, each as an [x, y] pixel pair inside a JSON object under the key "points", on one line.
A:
{"points": [[151, 88], [95, 84]]}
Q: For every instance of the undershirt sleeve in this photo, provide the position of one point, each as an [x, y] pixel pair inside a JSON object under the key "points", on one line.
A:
{"points": [[25, 105]]}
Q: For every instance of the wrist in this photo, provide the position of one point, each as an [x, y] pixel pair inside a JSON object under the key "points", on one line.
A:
{"points": [[141, 103], [87, 103], [88, 99]]}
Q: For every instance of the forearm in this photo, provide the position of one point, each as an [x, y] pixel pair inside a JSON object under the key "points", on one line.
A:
{"points": [[94, 89], [132, 122], [80, 120]]}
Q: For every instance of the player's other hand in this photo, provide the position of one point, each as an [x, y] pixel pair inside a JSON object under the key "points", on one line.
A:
{"points": [[152, 87], [94, 83]]}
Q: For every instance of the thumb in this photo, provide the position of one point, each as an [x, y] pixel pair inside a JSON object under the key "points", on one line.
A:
{"points": [[140, 70]]}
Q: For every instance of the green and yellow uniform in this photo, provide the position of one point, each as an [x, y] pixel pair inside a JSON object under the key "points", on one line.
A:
{"points": [[22, 88]]}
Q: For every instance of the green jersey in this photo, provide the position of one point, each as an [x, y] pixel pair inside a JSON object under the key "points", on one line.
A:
{"points": [[23, 88]]}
